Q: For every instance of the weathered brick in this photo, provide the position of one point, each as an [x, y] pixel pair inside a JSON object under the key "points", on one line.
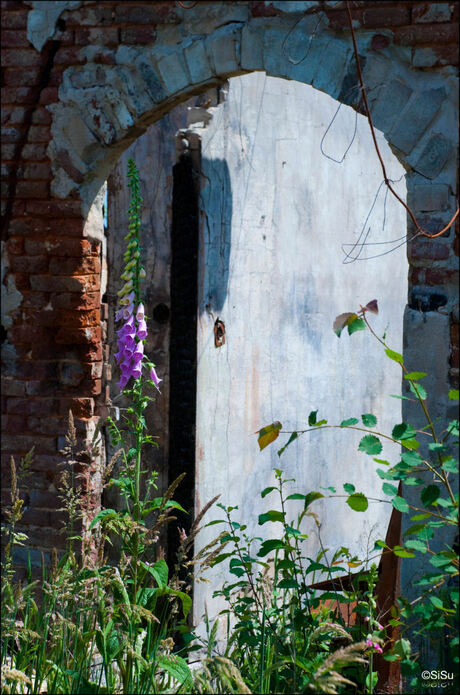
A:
{"points": [[39, 133], [13, 115], [15, 245], [386, 17], [429, 34], [13, 387], [138, 35], [29, 264], [434, 156], [49, 95], [43, 445], [75, 266], [65, 300], [70, 55], [416, 117], [431, 12], [68, 335], [34, 152], [15, 20], [14, 39], [32, 189], [153, 13], [18, 77], [80, 407], [105, 36], [47, 283], [17, 95], [11, 135], [24, 57], [21, 280], [75, 248], [427, 249], [27, 334], [14, 424], [32, 406], [55, 208], [37, 170], [426, 197], [41, 116]]}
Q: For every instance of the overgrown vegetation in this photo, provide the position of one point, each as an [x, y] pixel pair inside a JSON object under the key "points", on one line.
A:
{"points": [[94, 625]]}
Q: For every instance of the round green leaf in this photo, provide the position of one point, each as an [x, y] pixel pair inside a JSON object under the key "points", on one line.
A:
{"points": [[389, 489], [358, 502], [370, 444], [369, 420], [400, 504], [430, 494]]}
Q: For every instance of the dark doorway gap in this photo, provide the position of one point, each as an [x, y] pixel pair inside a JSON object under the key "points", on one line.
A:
{"points": [[183, 342]]}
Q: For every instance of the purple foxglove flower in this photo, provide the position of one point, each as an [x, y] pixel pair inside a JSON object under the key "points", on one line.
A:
{"points": [[142, 330], [128, 311], [140, 312], [154, 377], [138, 353], [137, 371], [119, 314]]}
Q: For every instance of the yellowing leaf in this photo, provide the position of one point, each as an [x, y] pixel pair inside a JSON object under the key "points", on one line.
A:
{"points": [[343, 320], [354, 564], [268, 434]]}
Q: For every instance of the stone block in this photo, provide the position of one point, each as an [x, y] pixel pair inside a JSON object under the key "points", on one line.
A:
{"points": [[223, 48], [130, 83], [197, 62], [416, 117], [434, 156], [389, 101], [151, 79], [431, 12], [173, 72], [428, 198], [276, 58], [252, 45], [424, 57], [332, 67]]}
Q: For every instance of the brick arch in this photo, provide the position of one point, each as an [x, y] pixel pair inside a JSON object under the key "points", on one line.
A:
{"points": [[109, 70]]}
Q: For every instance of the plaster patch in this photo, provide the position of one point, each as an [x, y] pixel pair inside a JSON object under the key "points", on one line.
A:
{"points": [[11, 297], [41, 20]]}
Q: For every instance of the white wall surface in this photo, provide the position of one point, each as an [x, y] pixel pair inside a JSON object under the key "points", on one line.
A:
{"points": [[275, 214]]}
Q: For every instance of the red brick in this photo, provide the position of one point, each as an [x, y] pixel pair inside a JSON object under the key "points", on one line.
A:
{"points": [[138, 35], [20, 57], [18, 77], [39, 133], [55, 208], [43, 445], [429, 33], [17, 95], [67, 37], [41, 116], [29, 264], [104, 36], [12, 135], [9, 152], [454, 379], [77, 283], [15, 20], [151, 13], [49, 95], [13, 115], [261, 9], [21, 280], [34, 299], [447, 55], [80, 407], [66, 300], [44, 536], [454, 334], [441, 276], [91, 353], [13, 387], [32, 189], [75, 248], [42, 498], [98, 14], [61, 317], [63, 158], [454, 358], [427, 249], [15, 245], [34, 153], [78, 266], [14, 39], [37, 170], [27, 334], [69, 55], [14, 424], [32, 406], [68, 335]]}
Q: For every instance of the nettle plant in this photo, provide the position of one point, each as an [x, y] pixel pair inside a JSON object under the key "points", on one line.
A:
{"points": [[431, 469]]}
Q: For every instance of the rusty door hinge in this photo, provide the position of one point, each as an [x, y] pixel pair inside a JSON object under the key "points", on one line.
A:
{"points": [[219, 333]]}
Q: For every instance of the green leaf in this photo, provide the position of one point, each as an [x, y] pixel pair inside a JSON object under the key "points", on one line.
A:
{"points": [[437, 446], [178, 668], [414, 376], [402, 552], [370, 444], [453, 428], [293, 436], [410, 443], [403, 431], [296, 496], [369, 420], [348, 423], [415, 544], [288, 584], [436, 601], [272, 515], [349, 488], [356, 325], [312, 418], [311, 497], [418, 390], [440, 560], [358, 502], [160, 572], [395, 356], [400, 504], [268, 434], [103, 514], [450, 466], [411, 458], [454, 394], [267, 490], [269, 545], [389, 489], [220, 558], [430, 494], [415, 528], [341, 321], [402, 648]]}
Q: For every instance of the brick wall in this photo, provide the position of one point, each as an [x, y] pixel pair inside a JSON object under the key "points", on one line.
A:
{"points": [[54, 348]]}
